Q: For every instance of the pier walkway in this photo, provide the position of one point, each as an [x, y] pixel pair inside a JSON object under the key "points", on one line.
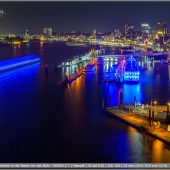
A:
{"points": [[141, 124]]}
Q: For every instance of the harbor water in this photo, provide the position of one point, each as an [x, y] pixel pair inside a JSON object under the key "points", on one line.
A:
{"points": [[43, 121]]}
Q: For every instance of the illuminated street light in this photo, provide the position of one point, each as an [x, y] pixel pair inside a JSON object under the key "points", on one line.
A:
{"points": [[155, 102]]}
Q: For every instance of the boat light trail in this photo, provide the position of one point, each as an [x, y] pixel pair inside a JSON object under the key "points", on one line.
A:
{"points": [[18, 62]]}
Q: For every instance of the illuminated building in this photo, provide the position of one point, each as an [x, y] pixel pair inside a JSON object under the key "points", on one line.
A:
{"points": [[145, 28], [94, 32], [117, 33], [126, 26], [47, 32], [129, 29], [2, 37], [161, 27], [130, 32], [26, 36], [2, 13]]}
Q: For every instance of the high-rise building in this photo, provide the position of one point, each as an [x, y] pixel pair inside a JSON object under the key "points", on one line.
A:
{"points": [[47, 31], [145, 28], [161, 27], [26, 36], [126, 26], [94, 32], [117, 33], [129, 29]]}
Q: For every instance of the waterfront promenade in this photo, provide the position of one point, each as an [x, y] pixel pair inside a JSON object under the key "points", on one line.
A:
{"points": [[141, 124]]}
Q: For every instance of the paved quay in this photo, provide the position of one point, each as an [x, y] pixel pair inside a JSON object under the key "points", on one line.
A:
{"points": [[141, 124]]}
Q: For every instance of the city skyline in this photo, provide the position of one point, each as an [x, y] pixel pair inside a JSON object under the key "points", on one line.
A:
{"points": [[85, 84], [80, 16]]}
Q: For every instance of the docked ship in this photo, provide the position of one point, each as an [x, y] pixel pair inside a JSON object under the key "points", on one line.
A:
{"points": [[90, 68], [131, 73], [110, 75], [81, 44], [75, 61]]}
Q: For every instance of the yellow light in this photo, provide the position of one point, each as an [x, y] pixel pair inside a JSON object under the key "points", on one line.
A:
{"points": [[16, 43], [150, 43], [160, 32], [42, 38], [155, 102]]}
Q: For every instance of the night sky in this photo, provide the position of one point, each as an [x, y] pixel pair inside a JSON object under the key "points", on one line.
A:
{"points": [[80, 16]]}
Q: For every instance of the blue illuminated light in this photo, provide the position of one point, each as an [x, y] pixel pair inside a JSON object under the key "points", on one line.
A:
{"points": [[129, 91], [131, 76], [132, 73], [18, 62]]}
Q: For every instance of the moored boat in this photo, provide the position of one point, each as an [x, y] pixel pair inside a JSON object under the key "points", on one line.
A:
{"points": [[81, 44], [90, 68], [110, 75], [131, 73]]}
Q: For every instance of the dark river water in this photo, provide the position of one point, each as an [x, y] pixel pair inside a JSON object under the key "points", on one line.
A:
{"points": [[42, 121]]}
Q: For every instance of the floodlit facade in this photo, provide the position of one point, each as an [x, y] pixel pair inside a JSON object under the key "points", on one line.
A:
{"points": [[145, 28], [47, 31]]}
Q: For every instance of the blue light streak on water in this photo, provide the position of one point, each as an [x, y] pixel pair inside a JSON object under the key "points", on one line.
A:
{"points": [[111, 93], [19, 72], [13, 63], [130, 91]]}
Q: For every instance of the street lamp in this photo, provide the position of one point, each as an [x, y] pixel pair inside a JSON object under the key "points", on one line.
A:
{"points": [[155, 103]]}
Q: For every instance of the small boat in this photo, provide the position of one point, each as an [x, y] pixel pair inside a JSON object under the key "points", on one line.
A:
{"points": [[90, 68]]}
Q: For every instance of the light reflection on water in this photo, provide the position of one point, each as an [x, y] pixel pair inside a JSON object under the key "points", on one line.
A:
{"points": [[130, 91], [152, 79], [67, 124]]}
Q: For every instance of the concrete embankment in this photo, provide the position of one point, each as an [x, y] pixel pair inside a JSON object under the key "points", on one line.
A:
{"points": [[140, 124]]}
